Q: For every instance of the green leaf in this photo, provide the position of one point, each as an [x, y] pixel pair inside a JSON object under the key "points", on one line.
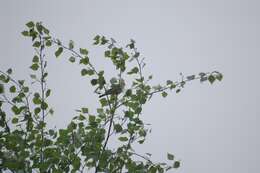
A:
{"points": [[118, 128], [12, 89], [71, 45], [91, 118], [94, 82], [81, 117], [84, 61], [30, 24], [58, 52], [25, 89], [123, 139], [176, 164], [34, 67], [72, 59], [128, 92], [219, 77], [16, 110], [36, 100], [103, 102], [97, 38], [37, 110], [103, 40], [169, 82], [36, 44], [178, 90], [1, 88], [44, 105], [164, 94], [133, 71], [84, 72], [48, 43], [211, 79], [107, 53], [15, 120], [35, 59], [84, 110], [9, 71], [48, 93], [83, 51], [51, 132], [25, 33], [170, 156], [51, 111]]}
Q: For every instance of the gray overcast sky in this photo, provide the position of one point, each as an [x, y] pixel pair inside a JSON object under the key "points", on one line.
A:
{"points": [[210, 128]]}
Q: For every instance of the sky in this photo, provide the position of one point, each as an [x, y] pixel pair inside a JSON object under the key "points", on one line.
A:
{"points": [[210, 128]]}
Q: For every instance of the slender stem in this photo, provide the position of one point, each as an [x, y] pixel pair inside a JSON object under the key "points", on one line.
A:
{"points": [[42, 93]]}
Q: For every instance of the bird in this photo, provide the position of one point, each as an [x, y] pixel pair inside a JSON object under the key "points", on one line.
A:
{"points": [[115, 89]]}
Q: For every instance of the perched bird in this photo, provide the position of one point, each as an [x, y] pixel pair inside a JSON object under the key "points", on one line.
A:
{"points": [[115, 89]]}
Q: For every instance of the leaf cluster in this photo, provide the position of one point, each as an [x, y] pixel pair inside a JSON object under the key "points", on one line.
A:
{"points": [[28, 145]]}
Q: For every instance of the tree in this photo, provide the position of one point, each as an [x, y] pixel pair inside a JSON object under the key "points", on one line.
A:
{"points": [[27, 145]]}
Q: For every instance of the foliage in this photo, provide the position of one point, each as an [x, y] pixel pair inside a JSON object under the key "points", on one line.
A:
{"points": [[27, 145]]}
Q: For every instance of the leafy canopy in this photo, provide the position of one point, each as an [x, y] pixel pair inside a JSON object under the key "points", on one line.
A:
{"points": [[27, 145]]}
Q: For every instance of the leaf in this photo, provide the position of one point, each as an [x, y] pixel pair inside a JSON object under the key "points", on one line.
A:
{"points": [[36, 44], [107, 53], [34, 67], [81, 117], [103, 102], [118, 128], [191, 77], [36, 100], [211, 79], [35, 59], [83, 51], [15, 120], [219, 77], [169, 82], [170, 156], [96, 38], [58, 52], [37, 110], [123, 139], [1, 88], [48, 43], [12, 89], [44, 105], [51, 132], [84, 61], [48, 93], [72, 59], [91, 118], [84, 72], [94, 82], [133, 71], [203, 79], [16, 110], [9, 71], [25, 89], [103, 40], [71, 45], [176, 164], [84, 110], [164, 94], [25, 33], [30, 24], [33, 76]]}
